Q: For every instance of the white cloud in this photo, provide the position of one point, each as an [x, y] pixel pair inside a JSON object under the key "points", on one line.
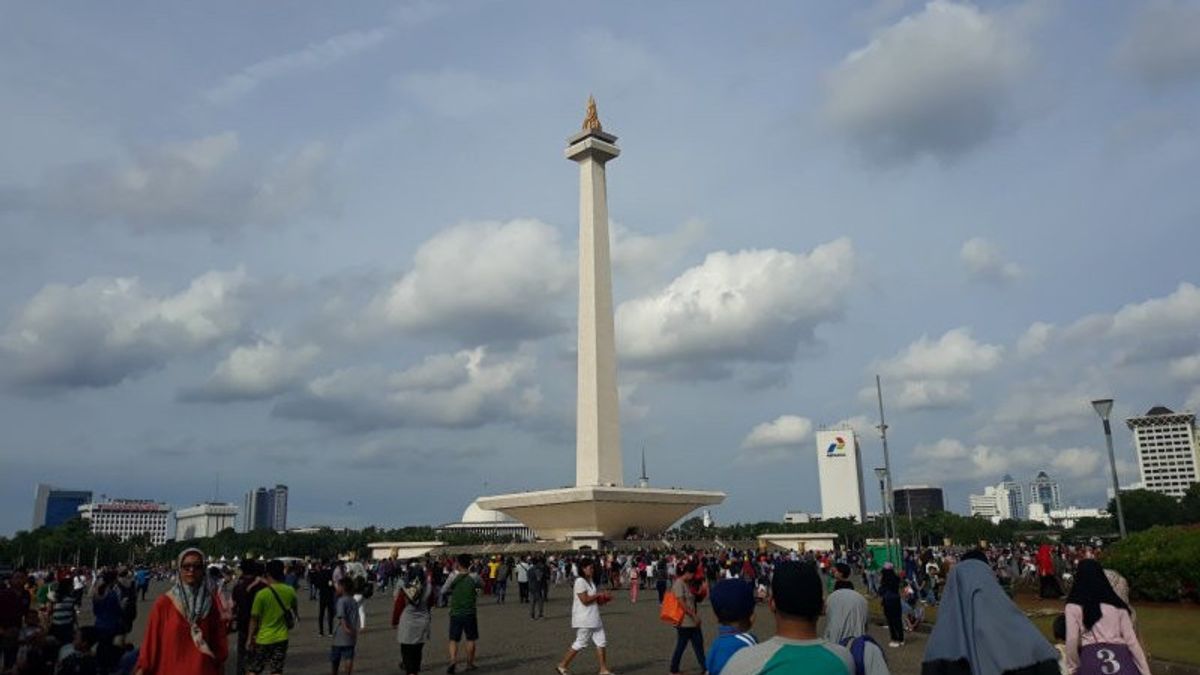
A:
{"points": [[106, 330], [954, 355], [1035, 339], [205, 183], [314, 56], [466, 389], [749, 306], [480, 282], [936, 83], [931, 394], [1161, 47], [934, 374], [644, 258], [984, 262], [1045, 409], [785, 430], [260, 370], [1186, 368], [951, 460]]}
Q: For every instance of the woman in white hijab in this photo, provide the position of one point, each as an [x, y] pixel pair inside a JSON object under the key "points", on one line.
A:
{"points": [[846, 616]]}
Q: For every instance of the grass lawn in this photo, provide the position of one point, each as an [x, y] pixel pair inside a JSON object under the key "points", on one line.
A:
{"points": [[1167, 631]]}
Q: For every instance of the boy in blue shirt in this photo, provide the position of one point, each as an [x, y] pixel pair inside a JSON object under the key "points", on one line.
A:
{"points": [[733, 603]]}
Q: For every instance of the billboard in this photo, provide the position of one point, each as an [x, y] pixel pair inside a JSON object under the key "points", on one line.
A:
{"points": [[839, 469]]}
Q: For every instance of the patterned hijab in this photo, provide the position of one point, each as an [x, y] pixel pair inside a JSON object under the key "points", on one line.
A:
{"points": [[196, 601]]}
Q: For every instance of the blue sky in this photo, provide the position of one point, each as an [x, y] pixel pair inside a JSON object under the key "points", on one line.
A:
{"points": [[335, 248]]}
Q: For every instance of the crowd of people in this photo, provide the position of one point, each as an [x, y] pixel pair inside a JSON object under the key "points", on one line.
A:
{"points": [[211, 614]]}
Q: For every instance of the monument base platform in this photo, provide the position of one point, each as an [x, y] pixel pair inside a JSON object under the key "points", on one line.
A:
{"points": [[610, 512]]}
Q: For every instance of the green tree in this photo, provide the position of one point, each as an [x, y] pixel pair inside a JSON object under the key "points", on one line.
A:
{"points": [[1189, 506], [1145, 509]]}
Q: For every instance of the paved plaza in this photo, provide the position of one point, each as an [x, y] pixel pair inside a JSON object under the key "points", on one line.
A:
{"points": [[511, 643]]}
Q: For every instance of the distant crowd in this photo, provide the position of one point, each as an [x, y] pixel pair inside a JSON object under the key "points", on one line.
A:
{"points": [[212, 613]]}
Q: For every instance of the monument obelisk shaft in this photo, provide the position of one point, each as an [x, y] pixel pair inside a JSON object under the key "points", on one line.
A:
{"points": [[597, 421]]}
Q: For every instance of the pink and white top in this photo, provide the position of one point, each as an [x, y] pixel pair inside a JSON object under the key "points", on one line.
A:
{"points": [[1113, 627]]}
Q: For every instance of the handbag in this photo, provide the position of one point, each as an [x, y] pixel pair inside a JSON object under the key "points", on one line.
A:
{"points": [[289, 619], [672, 610]]}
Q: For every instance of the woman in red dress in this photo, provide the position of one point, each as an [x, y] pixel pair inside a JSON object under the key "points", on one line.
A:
{"points": [[184, 632]]}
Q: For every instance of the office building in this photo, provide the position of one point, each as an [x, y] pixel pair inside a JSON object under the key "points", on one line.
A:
{"points": [[985, 505], [1004, 501], [1044, 490], [839, 469], [1010, 499], [1064, 518], [53, 506], [204, 520], [279, 503], [1167, 452], [265, 509], [127, 518], [918, 500]]}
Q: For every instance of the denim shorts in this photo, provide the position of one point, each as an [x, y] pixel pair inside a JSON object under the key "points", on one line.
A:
{"points": [[339, 652]]}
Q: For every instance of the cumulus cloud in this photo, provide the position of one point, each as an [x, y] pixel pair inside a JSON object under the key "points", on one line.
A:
{"points": [[1035, 339], [935, 374], [645, 258], [954, 355], [1186, 368], [783, 430], [205, 183], [467, 389], [1045, 408], [937, 83], [951, 460], [752, 306], [480, 282], [1161, 47], [776, 440], [984, 262], [1152, 330], [106, 330], [260, 370]]}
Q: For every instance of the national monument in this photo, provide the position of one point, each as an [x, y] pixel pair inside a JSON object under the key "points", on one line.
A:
{"points": [[599, 506]]}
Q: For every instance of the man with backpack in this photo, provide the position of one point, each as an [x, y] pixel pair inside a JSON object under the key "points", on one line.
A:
{"points": [[846, 615], [796, 601], [463, 588], [539, 578], [272, 616]]}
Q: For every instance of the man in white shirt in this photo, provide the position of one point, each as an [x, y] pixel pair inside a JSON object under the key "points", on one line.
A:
{"points": [[585, 619], [523, 578]]}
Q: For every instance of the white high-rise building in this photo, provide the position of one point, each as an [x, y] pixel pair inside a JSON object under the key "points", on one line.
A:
{"points": [[204, 520], [1167, 450], [839, 469], [128, 517], [1010, 499], [986, 504], [279, 497], [1000, 502]]}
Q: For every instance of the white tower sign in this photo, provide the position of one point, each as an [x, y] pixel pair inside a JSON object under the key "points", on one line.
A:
{"points": [[839, 469]]}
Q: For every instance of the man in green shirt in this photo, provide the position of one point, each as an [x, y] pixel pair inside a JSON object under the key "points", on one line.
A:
{"points": [[269, 616], [463, 589], [797, 602]]}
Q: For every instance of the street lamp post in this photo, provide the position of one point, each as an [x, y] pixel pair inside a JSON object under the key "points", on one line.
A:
{"points": [[882, 473], [1103, 408], [887, 465]]}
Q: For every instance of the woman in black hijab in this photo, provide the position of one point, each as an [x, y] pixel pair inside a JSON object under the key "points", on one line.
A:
{"points": [[1100, 634], [889, 593]]}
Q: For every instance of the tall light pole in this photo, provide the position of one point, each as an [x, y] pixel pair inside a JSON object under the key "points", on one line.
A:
{"points": [[887, 465], [1103, 408], [881, 473]]}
